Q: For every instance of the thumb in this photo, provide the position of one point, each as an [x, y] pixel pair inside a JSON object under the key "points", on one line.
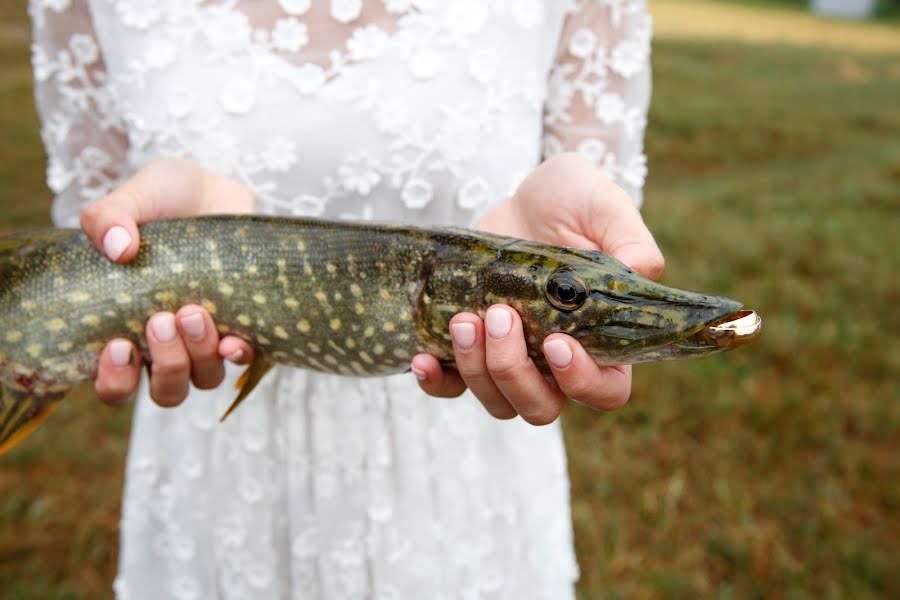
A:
{"points": [[644, 258], [165, 188], [618, 228]]}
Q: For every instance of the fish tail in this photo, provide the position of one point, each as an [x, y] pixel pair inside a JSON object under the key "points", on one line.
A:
{"points": [[20, 413]]}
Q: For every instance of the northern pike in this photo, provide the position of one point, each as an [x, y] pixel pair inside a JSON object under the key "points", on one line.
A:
{"points": [[353, 299]]}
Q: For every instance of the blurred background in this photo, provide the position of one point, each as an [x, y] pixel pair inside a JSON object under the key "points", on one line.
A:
{"points": [[772, 472]]}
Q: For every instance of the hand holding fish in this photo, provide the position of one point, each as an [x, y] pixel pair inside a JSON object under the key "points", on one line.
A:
{"points": [[566, 201], [185, 346]]}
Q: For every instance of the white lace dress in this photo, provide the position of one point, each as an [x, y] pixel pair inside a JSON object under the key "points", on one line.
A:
{"points": [[403, 110]]}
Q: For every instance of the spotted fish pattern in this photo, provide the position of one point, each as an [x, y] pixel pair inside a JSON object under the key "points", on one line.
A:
{"points": [[356, 299]]}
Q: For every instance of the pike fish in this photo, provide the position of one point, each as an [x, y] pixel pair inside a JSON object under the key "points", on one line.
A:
{"points": [[352, 299]]}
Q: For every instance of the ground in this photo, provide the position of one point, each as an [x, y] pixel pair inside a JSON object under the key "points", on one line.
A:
{"points": [[769, 472]]}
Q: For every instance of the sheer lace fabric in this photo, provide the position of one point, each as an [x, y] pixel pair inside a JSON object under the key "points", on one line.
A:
{"points": [[412, 110]]}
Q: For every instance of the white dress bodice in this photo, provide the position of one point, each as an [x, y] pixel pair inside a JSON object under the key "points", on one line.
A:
{"points": [[396, 110]]}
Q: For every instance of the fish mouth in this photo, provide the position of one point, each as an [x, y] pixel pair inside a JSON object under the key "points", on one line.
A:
{"points": [[737, 329]]}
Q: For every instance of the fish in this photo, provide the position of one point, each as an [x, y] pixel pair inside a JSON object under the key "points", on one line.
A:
{"points": [[354, 299]]}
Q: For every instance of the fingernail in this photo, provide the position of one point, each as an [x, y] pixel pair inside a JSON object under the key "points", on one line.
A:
{"points": [[163, 326], [498, 322], [236, 356], [115, 242], [120, 353], [192, 325], [558, 353], [463, 334], [419, 373]]}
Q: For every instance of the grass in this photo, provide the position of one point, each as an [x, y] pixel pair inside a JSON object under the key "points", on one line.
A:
{"points": [[771, 472]]}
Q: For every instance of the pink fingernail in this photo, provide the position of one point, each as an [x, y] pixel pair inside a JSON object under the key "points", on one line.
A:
{"points": [[236, 356], [120, 353], [558, 353], [192, 325], [463, 334], [163, 326], [420, 374], [115, 242], [498, 322]]}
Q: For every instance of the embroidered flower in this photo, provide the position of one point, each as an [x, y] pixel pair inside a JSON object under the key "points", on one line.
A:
{"points": [[230, 532], [552, 146], [181, 546], [308, 206], [359, 174], [57, 5], [94, 158], [57, 176], [227, 31], [417, 193], [526, 13], [120, 588], [484, 66], [592, 149], [474, 194], [160, 53], [634, 171], [185, 588], [466, 17], [83, 48], [258, 575], [289, 35], [560, 92], [635, 122], [367, 42], [610, 108], [629, 58], [397, 6], [139, 14], [279, 154], [344, 11], [424, 63], [180, 103], [43, 67], [238, 96], [309, 78], [582, 43], [294, 7], [390, 117], [251, 490], [305, 546]]}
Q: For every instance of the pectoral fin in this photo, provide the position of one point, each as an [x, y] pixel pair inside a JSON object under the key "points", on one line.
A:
{"points": [[247, 381]]}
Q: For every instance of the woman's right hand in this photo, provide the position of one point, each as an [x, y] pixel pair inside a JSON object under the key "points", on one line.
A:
{"points": [[184, 346]]}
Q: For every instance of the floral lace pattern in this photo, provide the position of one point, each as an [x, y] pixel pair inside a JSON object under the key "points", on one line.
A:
{"points": [[413, 110]]}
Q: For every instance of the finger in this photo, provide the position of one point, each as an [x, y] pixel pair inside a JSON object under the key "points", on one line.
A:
{"points": [[170, 366], [618, 228], [513, 371], [201, 340], [236, 350], [168, 187], [467, 333], [118, 372], [579, 377], [434, 379]]}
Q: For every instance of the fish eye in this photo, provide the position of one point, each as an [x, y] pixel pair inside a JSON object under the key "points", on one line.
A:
{"points": [[566, 290]]}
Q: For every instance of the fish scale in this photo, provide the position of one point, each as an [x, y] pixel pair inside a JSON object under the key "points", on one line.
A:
{"points": [[356, 299]]}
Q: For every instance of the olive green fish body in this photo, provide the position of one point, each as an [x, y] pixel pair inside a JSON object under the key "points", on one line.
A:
{"points": [[353, 299]]}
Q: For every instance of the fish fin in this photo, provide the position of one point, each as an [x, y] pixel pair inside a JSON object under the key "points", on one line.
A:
{"points": [[247, 381], [20, 413]]}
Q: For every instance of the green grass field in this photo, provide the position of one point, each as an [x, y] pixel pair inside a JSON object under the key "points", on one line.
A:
{"points": [[772, 472]]}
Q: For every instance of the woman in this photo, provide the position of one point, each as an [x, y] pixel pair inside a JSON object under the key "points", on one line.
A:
{"points": [[396, 110]]}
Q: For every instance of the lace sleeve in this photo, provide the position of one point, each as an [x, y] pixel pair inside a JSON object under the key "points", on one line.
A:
{"points": [[599, 89], [81, 130]]}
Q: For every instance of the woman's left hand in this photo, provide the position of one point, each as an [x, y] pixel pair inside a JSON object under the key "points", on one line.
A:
{"points": [[566, 201]]}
